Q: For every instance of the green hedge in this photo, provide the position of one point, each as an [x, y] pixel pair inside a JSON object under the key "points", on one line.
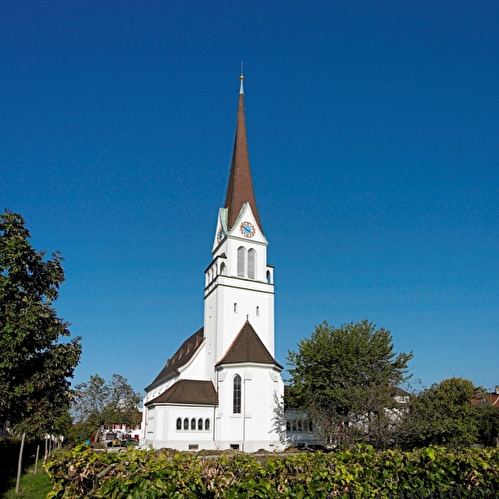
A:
{"points": [[361, 473]]}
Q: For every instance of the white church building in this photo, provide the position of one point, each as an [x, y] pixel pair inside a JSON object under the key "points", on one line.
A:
{"points": [[219, 390]]}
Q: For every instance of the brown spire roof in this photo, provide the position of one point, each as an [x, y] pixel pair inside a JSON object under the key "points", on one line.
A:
{"points": [[240, 189], [188, 391], [248, 347], [181, 356]]}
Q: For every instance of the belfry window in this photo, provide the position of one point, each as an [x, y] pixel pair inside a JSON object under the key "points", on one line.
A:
{"points": [[236, 401], [251, 263], [241, 257]]}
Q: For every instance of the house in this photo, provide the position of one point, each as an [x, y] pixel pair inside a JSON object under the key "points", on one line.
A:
{"points": [[219, 390], [492, 398]]}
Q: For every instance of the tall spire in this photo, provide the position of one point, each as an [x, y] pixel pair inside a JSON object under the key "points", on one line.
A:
{"points": [[240, 189]]}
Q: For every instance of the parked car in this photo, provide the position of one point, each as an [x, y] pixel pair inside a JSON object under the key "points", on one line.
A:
{"points": [[129, 442]]}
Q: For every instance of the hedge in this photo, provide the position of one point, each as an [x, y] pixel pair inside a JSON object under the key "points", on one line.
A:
{"points": [[358, 473]]}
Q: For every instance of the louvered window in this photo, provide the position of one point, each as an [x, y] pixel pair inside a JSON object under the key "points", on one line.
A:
{"points": [[240, 262], [251, 263]]}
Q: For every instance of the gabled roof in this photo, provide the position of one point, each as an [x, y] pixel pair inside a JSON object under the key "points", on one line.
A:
{"points": [[240, 189], [188, 391], [482, 398], [181, 357], [248, 347], [399, 392]]}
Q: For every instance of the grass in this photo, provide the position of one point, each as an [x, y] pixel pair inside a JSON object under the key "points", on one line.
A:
{"points": [[31, 487]]}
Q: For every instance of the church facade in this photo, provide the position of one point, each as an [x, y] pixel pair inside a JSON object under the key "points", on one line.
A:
{"points": [[221, 388]]}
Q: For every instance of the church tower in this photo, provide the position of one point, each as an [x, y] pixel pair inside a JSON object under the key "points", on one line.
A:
{"points": [[239, 282], [221, 388]]}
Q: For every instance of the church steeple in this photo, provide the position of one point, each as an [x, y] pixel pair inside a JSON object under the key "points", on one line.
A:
{"points": [[240, 189]]}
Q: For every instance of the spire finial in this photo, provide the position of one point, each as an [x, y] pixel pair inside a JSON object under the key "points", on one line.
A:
{"points": [[241, 89]]}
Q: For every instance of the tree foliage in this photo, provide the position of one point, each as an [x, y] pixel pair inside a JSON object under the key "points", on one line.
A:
{"points": [[98, 404], [444, 415], [35, 367], [488, 432], [344, 378]]}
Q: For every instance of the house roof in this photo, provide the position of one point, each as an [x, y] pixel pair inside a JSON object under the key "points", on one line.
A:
{"points": [[188, 391], [399, 392], [185, 353], [248, 347], [240, 188], [491, 397]]}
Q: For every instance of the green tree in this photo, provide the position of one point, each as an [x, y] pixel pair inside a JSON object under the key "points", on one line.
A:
{"points": [[344, 378], [35, 366], [98, 404], [488, 432], [442, 415]]}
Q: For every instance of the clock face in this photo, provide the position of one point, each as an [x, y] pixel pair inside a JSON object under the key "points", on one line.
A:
{"points": [[220, 235], [247, 229]]}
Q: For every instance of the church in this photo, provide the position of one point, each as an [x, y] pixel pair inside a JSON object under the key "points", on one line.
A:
{"points": [[221, 388]]}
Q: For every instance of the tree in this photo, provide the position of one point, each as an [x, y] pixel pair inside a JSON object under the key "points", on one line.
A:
{"points": [[488, 432], [443, 415], [35, 367], [98, 404], [344, 378]]}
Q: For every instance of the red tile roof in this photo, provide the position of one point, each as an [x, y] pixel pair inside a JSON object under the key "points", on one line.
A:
{"points": [[240, 189], [248, 347], [481, 398], [181, 357], [188, 391]]}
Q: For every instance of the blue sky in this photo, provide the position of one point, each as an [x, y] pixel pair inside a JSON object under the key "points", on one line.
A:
{"points": [[373, 134]]}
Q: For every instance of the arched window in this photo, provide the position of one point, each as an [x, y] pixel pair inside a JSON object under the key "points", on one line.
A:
{"points": [[223, 270], [186, 424], [179, 423], [251, 263], [200, 424], [193, 423], [269, 277], [236, 400], [206, 424], [241, 256]]}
